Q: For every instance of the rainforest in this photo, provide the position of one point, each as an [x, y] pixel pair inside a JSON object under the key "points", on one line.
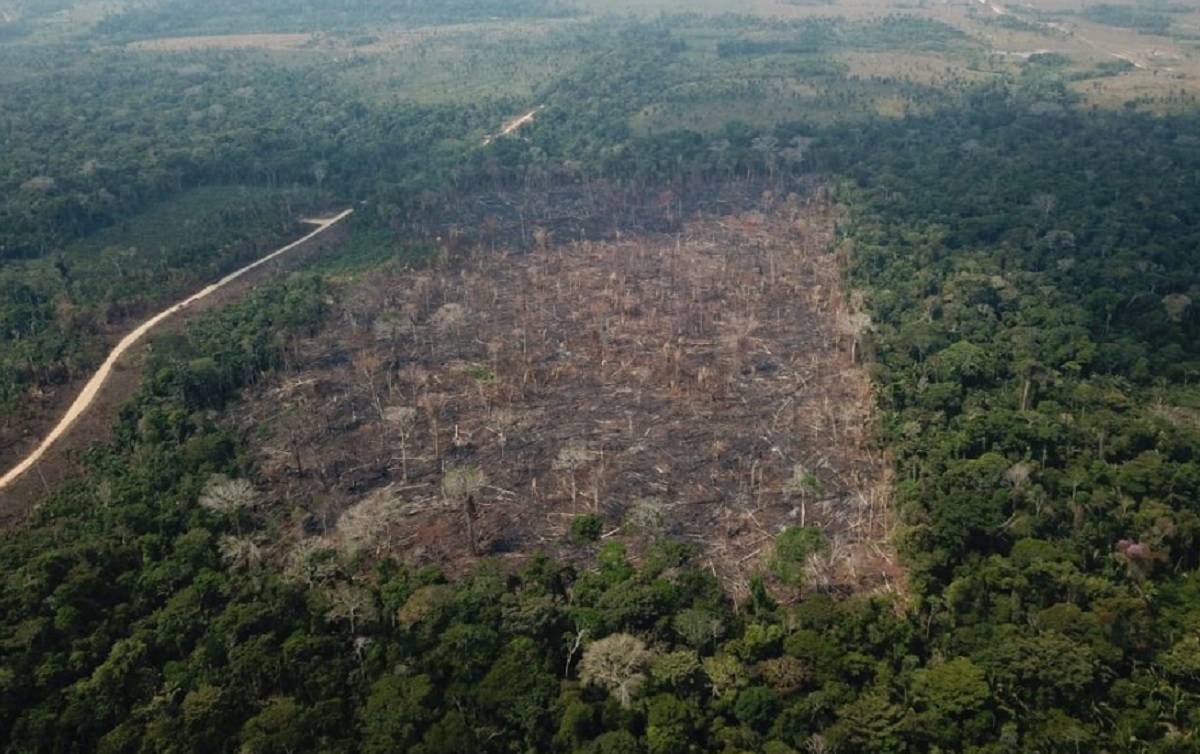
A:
{"points": [[595, 377]]}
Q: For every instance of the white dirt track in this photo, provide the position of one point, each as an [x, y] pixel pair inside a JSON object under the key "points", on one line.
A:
{"points": [[93, 386]]}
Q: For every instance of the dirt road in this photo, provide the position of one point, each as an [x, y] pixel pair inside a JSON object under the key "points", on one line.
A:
{"points": [[1001, 10], [92, 388], [513, 125]]}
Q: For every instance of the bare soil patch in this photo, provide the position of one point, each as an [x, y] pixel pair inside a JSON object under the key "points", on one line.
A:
{"points": [[512, 125], [224, 42], [697, 384]]}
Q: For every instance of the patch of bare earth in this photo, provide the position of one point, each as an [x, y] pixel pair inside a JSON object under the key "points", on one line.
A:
{"points": [[224, 42], [698, 385]]}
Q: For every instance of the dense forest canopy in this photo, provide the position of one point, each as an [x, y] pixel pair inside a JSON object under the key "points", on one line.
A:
{"points": [[179, 18], [1023, 266]]}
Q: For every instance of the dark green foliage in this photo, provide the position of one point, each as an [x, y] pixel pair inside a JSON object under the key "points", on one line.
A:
{"points": [[792, 548], [176, 18], [97, 633], [1148, 20], [1029, 272], [587, 527], [896, 32], [1021, 359], [126, 194], [615, 742], [756, 707]]}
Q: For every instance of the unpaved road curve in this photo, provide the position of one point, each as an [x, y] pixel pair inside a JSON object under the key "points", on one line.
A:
{"points": [[92, 388], [513, 125]]}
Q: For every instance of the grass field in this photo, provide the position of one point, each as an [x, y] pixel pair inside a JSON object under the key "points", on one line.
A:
{"points": [[466, 62]]}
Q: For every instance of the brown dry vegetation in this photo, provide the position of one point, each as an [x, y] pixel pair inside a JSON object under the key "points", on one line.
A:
{"points": [[224, 42], [698, 385]]}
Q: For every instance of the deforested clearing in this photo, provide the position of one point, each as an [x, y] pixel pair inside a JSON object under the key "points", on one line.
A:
{"points": [[223, 42], [698, 385]]}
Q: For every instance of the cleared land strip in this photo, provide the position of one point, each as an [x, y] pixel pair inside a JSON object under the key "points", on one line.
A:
{"points": [[513, 125], [93, 386]]}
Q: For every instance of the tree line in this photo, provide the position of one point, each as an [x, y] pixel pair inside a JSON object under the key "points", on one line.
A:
{"points": [[1027, 269]]}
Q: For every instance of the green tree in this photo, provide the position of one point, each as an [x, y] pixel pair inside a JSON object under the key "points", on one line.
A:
{"points": [[757, 707], [587, 528], [396, 712], [872, 722], [792, 549], [953, 699], [680, 671], [280, 727]]}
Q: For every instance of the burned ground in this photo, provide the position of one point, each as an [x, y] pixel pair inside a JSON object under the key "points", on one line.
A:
{"points": [[697, 384]]}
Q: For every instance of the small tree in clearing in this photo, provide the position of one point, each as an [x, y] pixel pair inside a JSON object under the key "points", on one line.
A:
{"points": [[647, 514], [572, 457], [792, 550], [404, 419], [736, 332], [617, 663], [587, 528], [804, 485], [459, 484], [459, 487], [501, 422], [449, 319]]}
